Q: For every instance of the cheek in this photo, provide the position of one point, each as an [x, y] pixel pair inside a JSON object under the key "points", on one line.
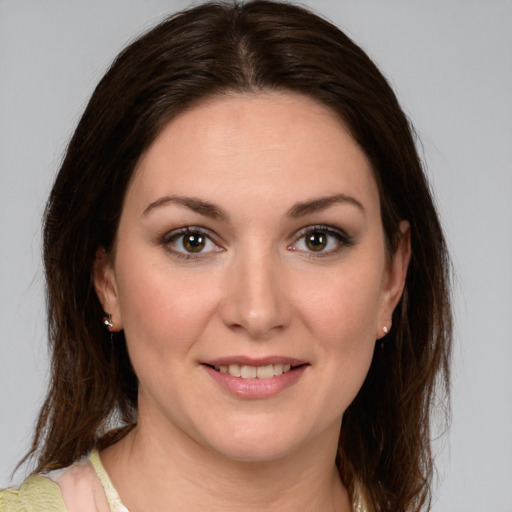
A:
{"points": [[344, 308], [342, 313], [162, 311]]}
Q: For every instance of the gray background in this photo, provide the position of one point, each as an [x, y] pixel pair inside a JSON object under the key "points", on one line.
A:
{"points": [[450, 63]]}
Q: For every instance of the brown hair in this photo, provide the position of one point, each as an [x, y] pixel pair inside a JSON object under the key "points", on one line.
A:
{"points": [[208, 50]]}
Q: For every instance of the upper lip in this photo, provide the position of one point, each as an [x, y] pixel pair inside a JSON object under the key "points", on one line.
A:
{"points": [[253, 361]]}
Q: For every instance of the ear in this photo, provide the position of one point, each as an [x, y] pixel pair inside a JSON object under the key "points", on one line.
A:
{"points": [[106, 288], [394, 279]]}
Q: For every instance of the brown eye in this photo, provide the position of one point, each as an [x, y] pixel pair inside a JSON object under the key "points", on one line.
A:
{"points": [[316, 241], [194, 242], [321, 241], [189, 243]]}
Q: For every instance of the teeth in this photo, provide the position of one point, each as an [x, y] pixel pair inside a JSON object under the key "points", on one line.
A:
{"points": [[248, 372], [265, 372], [234, 370], [252, 372], [278, 369]]}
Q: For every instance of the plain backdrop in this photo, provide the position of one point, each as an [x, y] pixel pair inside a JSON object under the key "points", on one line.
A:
{"points": [[450, 63]]}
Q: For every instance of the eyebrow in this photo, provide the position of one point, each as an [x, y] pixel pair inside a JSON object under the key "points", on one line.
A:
{"points": [[196, 205], [215, 212], [322, 203]]}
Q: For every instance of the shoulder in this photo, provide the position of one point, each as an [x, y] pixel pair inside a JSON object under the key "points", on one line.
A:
{"points": [[36, 494]]}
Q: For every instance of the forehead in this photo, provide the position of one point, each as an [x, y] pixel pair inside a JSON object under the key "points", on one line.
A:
{"points": [[264, 145]]}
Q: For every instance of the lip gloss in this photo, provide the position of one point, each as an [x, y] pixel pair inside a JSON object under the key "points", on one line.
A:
{"points": [[255, 388]]}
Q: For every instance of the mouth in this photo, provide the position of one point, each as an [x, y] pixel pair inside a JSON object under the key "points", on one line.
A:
{"points": [[255, 378], [267, 371]]}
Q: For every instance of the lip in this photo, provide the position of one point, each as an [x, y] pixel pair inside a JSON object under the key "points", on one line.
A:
{"points": [[254, 361], [255, 388]]}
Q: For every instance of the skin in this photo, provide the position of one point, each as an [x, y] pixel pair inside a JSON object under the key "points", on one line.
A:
{"points": [[256, 290]]}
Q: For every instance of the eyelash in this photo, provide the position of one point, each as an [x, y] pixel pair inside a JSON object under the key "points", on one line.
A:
{"points": [[175, 235], [340, 236]]}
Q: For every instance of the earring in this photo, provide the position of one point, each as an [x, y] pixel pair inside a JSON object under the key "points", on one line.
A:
{"points": [[107, 321], [385, 329]]}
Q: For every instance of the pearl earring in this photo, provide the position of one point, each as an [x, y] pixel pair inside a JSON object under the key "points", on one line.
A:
{"points": [[107, 321], [385, 329]]}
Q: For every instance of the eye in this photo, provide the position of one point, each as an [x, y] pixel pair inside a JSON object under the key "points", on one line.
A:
{"points": [[316, 241], [321, 240], [189, 242]]}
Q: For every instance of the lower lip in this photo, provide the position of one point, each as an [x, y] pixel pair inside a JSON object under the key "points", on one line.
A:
{"points": [[256, 388]]}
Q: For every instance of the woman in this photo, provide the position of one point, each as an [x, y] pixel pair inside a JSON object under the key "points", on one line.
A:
{"points": [[247, 278]]}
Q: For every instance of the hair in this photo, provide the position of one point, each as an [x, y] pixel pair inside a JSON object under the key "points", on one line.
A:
{"points": [[214, 49]]}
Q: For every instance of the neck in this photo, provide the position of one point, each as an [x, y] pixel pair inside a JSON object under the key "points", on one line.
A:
{"points": [[151, 472]]}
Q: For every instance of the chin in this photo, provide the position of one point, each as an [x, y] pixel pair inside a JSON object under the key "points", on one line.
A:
{"points": [[260, 451], [268, 441]]}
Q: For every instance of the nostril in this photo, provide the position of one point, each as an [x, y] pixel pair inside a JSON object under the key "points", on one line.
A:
{"points": [[255, 305]]}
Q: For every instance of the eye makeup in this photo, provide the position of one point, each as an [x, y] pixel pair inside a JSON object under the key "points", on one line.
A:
{"points": [[320, 241], [189, 242]]}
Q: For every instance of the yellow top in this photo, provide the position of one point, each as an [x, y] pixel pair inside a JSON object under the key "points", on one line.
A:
{"points": [[36, 494], [83, 486], [84, 481]]}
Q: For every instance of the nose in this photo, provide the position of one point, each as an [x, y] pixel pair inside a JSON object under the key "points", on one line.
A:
{"points": [[255, 300]]}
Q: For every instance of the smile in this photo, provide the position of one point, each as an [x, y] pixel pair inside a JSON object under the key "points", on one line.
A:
{"points": [[254, 372], [248, 377]]}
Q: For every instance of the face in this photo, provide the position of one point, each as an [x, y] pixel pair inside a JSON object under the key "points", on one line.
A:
{"points": [[250, 275]]}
